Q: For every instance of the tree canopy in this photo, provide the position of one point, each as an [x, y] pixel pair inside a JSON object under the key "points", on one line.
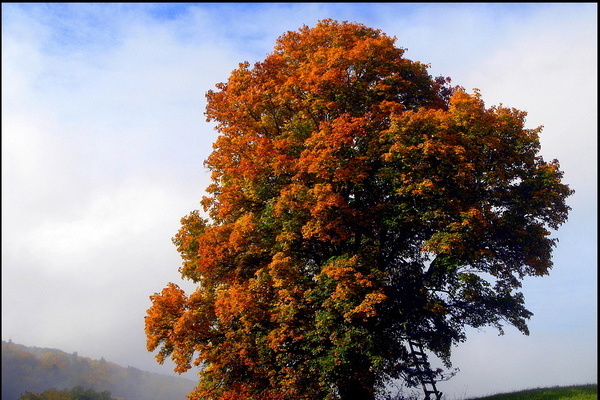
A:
{"points": [[356, 202]]}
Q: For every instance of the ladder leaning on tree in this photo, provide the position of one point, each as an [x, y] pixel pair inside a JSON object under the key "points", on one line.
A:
{"points": [[425, 374]]}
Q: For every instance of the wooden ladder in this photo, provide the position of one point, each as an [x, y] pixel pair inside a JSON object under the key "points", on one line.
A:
{"points": [[424, 370]]}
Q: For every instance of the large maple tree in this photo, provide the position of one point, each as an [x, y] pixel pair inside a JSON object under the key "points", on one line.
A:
{"points": [[356, 203]]}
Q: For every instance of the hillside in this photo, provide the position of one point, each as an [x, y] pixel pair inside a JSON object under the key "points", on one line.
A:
{"points": [[579, 392], [36, 369]]}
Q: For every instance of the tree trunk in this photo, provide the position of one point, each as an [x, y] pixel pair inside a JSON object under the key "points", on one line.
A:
{"points": [[355, 389]]}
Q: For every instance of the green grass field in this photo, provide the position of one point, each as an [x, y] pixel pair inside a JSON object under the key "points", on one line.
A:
{"points": [[582, 392]]}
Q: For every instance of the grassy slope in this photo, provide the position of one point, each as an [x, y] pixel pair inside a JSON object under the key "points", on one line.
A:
{"points": [[582, 392]]}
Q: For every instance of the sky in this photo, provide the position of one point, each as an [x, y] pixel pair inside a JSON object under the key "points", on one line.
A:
{"points": [[104, 138]]}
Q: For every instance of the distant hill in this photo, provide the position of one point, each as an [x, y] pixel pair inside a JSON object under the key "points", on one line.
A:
{"points": [[36, 369], [577, 392]]}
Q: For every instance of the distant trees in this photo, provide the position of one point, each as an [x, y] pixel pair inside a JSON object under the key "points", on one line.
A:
{"points": [[38, 370], [356, 202], [77, 393]]}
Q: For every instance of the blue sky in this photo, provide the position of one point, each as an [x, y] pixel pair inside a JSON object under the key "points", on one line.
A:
{"points": [[103, 139]]}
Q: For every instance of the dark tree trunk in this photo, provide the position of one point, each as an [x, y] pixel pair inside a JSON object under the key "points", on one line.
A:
{"points": [[355, 389]]}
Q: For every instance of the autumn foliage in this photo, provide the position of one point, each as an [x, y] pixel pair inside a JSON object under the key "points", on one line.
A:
{"points": [[356, 202]]}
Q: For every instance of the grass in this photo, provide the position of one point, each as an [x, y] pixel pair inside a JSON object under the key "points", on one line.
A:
{"points": [[581, 392]]}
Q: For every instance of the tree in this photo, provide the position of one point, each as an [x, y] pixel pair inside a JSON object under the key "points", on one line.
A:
{"points": [[77, 393], [356, 202]]}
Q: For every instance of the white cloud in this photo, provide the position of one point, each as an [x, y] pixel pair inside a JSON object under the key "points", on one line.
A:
{"points": [[537, 361]]}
